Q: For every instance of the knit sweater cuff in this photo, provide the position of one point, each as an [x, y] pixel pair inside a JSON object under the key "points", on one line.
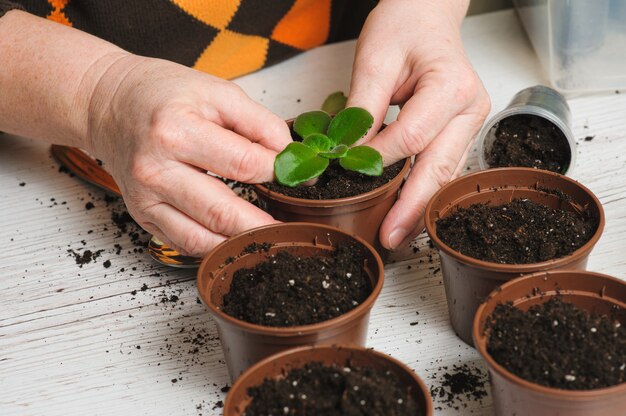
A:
{"points": [[5, 6]]}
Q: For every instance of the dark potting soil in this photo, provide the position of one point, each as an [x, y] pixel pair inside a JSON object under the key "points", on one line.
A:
{"points": [[518, 232], [557, 344], [317, 389], [336, 182], [287, 290], [459, 386], [529, 141]]}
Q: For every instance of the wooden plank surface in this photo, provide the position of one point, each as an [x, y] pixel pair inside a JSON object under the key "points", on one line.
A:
{"points": [[132, 338]]}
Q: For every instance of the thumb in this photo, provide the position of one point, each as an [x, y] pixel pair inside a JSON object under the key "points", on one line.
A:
{"points": [[373, 85]]}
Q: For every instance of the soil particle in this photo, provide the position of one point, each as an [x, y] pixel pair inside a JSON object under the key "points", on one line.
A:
{"points": [[519, 232], [86, 257], [529, 141], [89, 206], [286, 290], [557, 344], [461, 385], [316, 389], [336, 182]]}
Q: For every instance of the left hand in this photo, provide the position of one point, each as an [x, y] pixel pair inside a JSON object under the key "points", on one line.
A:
{"points": [[410, 53]]}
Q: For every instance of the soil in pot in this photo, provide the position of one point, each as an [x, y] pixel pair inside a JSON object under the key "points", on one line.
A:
{"points": [[527, 140], [337, 182], [288, 290], [557, 344], [519, 232], [316, 389]]}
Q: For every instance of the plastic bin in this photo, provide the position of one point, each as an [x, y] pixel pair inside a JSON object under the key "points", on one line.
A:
{"points": [[580, 43]]}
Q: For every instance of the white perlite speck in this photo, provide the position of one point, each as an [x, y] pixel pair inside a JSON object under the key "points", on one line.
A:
{"points": [[325, 284], [292, 282], [569, 377]]}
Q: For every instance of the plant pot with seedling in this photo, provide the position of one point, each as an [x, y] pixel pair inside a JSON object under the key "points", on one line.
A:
{"points": [[288, 285], [329, 380], [555, 344], [492, 226], [352, 189]]}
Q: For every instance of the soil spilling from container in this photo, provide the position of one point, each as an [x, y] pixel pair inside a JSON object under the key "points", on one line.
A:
{"points": [[287, 290], [459, 386], [557, 344], [336, 182], [518, 232], [316, 389], [526, 140]]}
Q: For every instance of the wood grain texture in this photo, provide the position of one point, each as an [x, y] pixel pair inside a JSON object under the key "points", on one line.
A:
{"points": [[76, 341]]}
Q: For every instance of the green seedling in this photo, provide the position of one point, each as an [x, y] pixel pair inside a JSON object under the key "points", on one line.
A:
{"points": [[325, 138]]}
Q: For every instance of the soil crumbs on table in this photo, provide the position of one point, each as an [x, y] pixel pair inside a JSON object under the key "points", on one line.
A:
{"points": [[529, 141], [518, 232], [317, 389], [460, 386], [336, 182], [557, 344], [287, 290]]}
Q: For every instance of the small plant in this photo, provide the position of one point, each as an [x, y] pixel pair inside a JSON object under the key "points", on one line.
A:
{"points": [[325, 138]]}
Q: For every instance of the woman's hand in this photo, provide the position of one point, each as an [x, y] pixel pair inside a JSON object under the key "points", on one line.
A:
{"points": [[410, 53], [159, 127]]}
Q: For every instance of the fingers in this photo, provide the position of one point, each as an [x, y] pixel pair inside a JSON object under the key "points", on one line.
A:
{"points": [[180, 232], [435, 103], [253, 121], [208, 146], [372, 86], [433, 168], [211, 203]]}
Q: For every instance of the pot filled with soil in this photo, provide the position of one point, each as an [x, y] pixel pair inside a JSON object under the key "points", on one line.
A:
{"points": [[533, 131], [351, 200], [288, 285], [492, 226], [555, 344], [329, 380]]}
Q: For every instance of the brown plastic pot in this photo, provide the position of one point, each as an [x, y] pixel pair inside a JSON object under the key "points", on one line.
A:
{"points": [[468, 280], [278, 365], [360, 214], [245, 343], [512, 395]]}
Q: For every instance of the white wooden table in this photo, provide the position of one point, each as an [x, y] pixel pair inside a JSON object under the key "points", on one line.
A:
{"points": [[89, 341]]}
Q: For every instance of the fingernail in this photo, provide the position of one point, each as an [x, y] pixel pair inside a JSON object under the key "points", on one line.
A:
{"points": [[396, 237]]}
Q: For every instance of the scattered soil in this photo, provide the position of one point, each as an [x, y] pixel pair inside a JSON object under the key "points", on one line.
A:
{"points": [[529, 141], [317, 389], [336, 182], [460, 386], [518, 232], [557, 344], [287, 290]]}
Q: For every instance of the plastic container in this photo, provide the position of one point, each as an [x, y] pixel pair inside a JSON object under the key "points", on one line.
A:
{"points": [[580, 43], [467, 280], [540, 101], [245, 343], [359, 214], [513, 395], [279, 364]]}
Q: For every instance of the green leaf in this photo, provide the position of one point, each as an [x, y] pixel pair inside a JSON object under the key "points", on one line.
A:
{"points": [[338, 152], [311, 122], [318, 142], [350, 125], [363, 159], [335, 102], [298, 163]]}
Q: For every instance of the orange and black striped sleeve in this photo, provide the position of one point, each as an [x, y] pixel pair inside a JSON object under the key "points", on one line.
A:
{"points": [[226, 38]]}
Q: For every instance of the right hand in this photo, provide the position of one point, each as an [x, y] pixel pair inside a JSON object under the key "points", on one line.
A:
{"points": [[159, 126]]}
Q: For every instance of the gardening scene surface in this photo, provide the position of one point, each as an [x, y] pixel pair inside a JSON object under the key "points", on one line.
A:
{"points": [[511, 300]]}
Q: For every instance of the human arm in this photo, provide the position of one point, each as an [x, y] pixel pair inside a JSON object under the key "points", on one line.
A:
{"points": [[157, 126], [410, 53]]}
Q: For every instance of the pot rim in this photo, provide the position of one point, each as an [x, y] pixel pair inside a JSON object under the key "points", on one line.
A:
{"points": [[393, 183], [300, 330], [348, 347], [477, 335], [513, 267]]}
